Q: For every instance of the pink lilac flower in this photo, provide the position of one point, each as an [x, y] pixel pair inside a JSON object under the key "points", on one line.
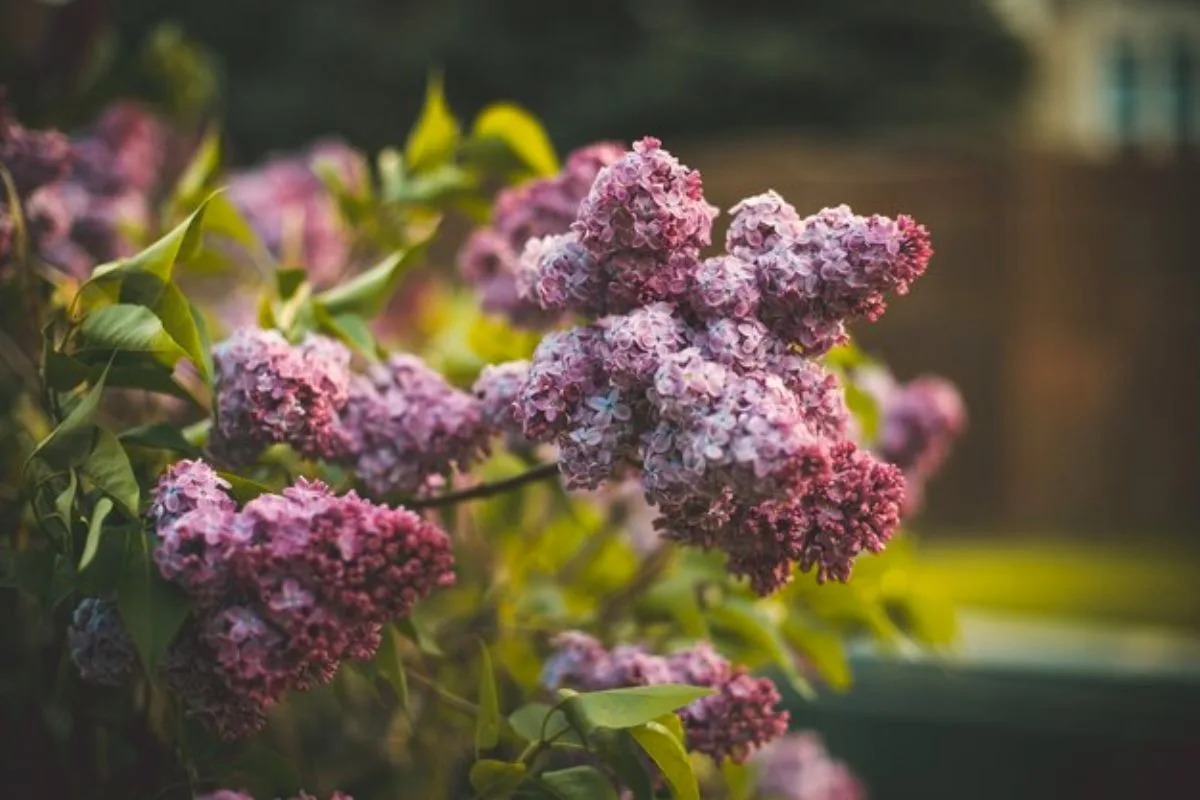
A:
{"points": [[559, 275], [798, 767], [920, 421], [647, 202], [405, 426], [492, 259], [740, 717], [635, 344], [290, 207], [566, 370], [99, 643], [724, 287], [837, 267], [269, 391], [286, 589], [184, 486], [759, 224], [33, 158]]}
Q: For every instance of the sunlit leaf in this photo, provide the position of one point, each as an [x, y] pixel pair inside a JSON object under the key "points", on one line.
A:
{"points": [[520, 133], [367, 293], [434, 138], [129, 328], [635, 705], [487, 723], [95, 527], [668, 753]]}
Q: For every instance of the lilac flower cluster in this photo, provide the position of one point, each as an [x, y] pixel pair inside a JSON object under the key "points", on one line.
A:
{"points": [[491, 258], [496, 390], [698, 375], [230, 794], [290, 207], [919, 423], [268, 391], [99, 644], [79, 196], [798, 767], [282, 590], [740, 717], [405, 426]]}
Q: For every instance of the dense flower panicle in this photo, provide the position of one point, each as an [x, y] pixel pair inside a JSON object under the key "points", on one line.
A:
{"points": [[495, 260], [496, 389], [291, 209], [99, 643], [732, 723], [920, 421], [285, 589], [699, 374], [798, 767], [646, 201], [186, 485], [566, 370], [33, 158], [405, 426], [837, 267], [759, 223], [269, 391], [724, 287]]}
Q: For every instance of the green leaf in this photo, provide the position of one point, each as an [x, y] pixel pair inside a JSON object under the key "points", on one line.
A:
{"points": [[391, 665], [128, 371], [350, 329], [434, 138], [533, 721], [672, 759], [823, 648], [521, 133], [243, 490], [160, 436], [739, 780], [367, 293], [487, 723], [200, 171], [180, 322], [287, 281], [417, 628], [129, 328], [64, 504], [925, 615], [392, 175], [864, 408], [95, 527], [675, 725], [158, 259], [152, 609], [109, 470], [635, 705], [491, 778], [71, 441], [577, 783], [620, 753], [758, 631]]}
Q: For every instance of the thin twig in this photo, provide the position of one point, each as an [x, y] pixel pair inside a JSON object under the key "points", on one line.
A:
{"points": [[483, 490]]}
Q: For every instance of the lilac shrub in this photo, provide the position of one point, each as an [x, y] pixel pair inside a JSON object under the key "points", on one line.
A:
{"points": [[698, 374]]}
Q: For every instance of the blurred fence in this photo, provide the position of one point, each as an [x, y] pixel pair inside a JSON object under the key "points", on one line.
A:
{"points": [[1062, 299]]}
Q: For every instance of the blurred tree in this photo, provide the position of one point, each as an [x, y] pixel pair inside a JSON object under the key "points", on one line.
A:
{"points": [[294, 69]]}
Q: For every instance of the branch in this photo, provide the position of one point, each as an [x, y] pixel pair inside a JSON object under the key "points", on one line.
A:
{"points": [[538, 473]]}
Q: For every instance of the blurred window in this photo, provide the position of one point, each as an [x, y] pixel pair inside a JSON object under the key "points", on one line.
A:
{"points": [[1183, 90], [1123, 91]]}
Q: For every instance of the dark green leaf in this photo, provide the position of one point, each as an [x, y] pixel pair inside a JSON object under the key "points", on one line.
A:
{"points": [[95, 527], [160, 436], [152, 609], [620, 753], [672, 759], [635, 705], [130, 328], [69, 443], [417, 628], [487, 723], [391, 665], [64, 506], [128, 371], [205, 340], [521, 133], [242, 489], [491, 778], [287, 281], [109, 470], [577, 783], [349, 329], [158, 259], [434, 138], [368, 293]]}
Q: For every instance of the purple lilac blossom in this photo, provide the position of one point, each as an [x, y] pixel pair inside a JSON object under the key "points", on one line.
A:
{"points": [[493, 259], [284, 590], [269, 391], [404, 427], [290, 207], [99, 643], [798, 767], [740, 717], [496, 390]]}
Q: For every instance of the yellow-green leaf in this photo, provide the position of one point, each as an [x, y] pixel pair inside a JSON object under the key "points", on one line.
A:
{"points": [[672, 759], [434, 138], [519, 131], [491, 778], [95, 527], [487, 723]]}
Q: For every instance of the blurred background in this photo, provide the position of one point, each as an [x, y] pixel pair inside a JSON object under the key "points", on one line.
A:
{"points": [[1053, 149]]}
